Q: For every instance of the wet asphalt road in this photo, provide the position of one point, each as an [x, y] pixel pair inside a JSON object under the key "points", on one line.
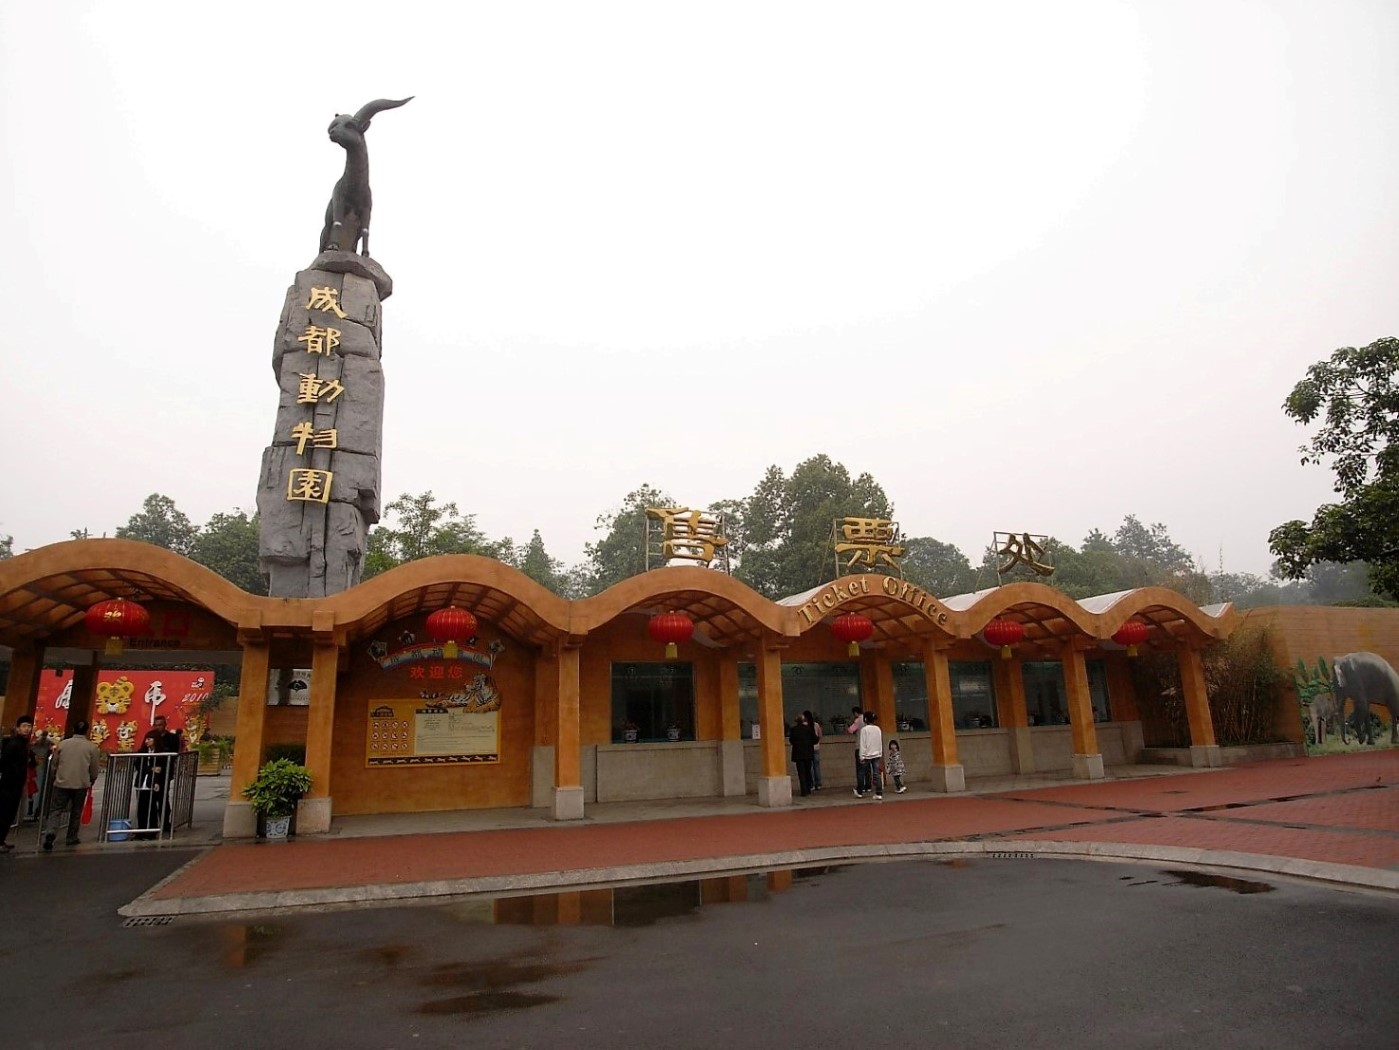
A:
{"points": [[988, 953]]}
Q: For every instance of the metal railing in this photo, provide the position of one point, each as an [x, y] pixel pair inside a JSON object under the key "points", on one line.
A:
{"points": [[147, 796]]}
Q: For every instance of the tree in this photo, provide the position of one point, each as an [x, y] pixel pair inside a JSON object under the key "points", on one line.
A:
{"points": [[939, 568], [539, 567], [787, 524], [424, 530], [162, 524], [228, 544], [622, 552], [7, 547], [1357, 391]]}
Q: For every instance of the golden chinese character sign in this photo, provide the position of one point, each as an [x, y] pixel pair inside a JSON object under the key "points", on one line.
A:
{"points": [[1022, 553], [867, 543], [685, 534]]}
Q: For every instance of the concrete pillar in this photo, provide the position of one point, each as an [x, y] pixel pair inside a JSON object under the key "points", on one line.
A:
{"points": [[947, 771], [239, 819], [731, 773], [1088, 760], [1009, 679], [1204, 750], [775, 784], [22, 691], [568, 778], [314, 811]]}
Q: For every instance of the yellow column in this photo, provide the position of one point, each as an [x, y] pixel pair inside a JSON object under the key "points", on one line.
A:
{"points": [[1088, 760], [313, 814], [568, 756], [775, 785], [877, 684], [1204, 751], [1122, 702], [1009, 679], [239, 820], [948, 774], [252, 710], [22, 691]]}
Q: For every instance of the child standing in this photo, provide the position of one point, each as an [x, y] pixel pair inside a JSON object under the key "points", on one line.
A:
{"points": [[896, 767]]}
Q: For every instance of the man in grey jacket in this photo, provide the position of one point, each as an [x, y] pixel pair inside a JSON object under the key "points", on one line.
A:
{"points": [[74, 766]]}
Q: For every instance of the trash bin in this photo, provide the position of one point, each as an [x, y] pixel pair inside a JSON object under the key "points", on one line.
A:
{"points": [[119, 830]]}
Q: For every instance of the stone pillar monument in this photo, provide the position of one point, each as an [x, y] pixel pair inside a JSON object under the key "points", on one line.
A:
{"points": [[319, 488]]}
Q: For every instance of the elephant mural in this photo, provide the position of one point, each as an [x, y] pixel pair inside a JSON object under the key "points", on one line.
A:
{"points": [[1365, 679]]}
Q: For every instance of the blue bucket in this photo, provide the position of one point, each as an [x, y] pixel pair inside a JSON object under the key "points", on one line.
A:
{"points": [[119, 830]]}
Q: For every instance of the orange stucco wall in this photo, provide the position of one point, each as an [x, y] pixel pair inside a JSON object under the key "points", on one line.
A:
{"points": [[358, 788]]}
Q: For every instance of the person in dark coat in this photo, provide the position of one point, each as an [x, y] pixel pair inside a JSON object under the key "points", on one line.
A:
{"points": [[164, 745], [803, 738], [14, 774]]}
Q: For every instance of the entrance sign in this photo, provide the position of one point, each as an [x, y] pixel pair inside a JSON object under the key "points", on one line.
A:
{"points": [[868, 542], [833, 595], [691, 535]]}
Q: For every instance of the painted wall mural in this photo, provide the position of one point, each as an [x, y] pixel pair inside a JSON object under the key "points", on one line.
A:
{"points": [[456, 719], [126, 703], [1364, 682]]}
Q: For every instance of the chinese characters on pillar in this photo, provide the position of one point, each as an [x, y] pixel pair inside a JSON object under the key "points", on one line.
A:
{"points": [[689, 535], [867, 542], [1022, 553], [309, 484]]}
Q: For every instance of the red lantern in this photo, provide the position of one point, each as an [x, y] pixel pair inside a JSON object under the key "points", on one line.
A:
{"points": [[1004, 633], [672, 628], [452, 627], [1131, 634], [852, 628], [116, 619]]}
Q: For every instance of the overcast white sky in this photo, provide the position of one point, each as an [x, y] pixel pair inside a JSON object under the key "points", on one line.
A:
{"points": [[1034, 266]]}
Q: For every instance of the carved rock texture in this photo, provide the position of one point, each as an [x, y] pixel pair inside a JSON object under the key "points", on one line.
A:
{"points": [[311, 549]]}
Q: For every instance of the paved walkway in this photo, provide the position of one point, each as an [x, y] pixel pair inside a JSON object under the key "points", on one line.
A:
{"points": [[1332, 818]]}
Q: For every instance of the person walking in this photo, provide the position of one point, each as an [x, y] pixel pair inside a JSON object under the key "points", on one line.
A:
{"points": [[894, 766], [815, 723], [803, 739], [869, 745], [14, 775], [74, 766], [857, 722]]}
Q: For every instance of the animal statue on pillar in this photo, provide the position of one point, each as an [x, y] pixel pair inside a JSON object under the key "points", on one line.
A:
{"points": [[347, 215]]}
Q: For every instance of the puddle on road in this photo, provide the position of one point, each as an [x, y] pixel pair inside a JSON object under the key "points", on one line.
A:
{"points": [[1223, 882], [631, 906], [247, 944], [485, 1003]]}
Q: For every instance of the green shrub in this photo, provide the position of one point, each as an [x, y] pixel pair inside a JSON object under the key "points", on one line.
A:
{"points": [[277, 787]]}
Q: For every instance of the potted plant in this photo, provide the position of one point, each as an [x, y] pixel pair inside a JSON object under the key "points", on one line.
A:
{"points": [[274, 792], [672, 732], [210, 758], [631, 732]]}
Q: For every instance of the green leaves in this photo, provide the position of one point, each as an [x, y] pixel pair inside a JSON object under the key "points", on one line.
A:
{"points": [[1356, 393]]}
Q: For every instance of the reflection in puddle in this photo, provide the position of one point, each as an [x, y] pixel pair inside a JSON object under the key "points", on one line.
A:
{"points": [[1224, 882], [485, 1003], [248, 944], [631, 906]]}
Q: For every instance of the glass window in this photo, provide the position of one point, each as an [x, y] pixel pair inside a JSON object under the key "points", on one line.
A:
{"points": [[1045, 695], [656, 701], [973, 694], [828, 691], [1098, 690]]}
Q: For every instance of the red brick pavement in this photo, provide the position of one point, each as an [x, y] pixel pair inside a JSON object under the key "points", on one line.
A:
{"points": [[1353, 827]]}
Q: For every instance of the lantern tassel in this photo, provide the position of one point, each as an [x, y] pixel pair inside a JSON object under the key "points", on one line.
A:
{"points": [[1131, 650], [449, 650], [1005, 652], [113, 647], [854, 649], [671, 650]]}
